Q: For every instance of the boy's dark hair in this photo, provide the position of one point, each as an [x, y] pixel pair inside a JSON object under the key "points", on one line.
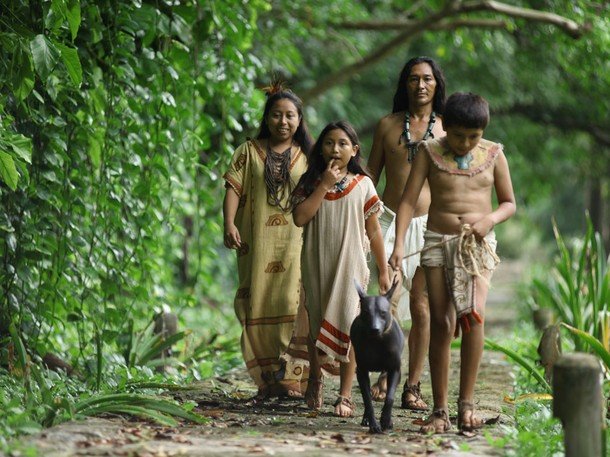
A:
{"points": [[465, 109], [401, 97], [302, 136], [316, 164]]}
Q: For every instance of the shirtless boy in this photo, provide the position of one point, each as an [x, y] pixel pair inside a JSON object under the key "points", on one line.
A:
{"points": [[462, 169], [418, 104]]}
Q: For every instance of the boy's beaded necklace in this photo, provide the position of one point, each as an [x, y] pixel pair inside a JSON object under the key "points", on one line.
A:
{"points": [[406, 134]]}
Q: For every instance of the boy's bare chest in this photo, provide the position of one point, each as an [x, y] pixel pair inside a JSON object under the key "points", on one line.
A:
{"points": [[456, 184]]}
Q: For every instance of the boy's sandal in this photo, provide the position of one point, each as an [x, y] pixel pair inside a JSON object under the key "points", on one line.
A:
{"points": [[314, 395], [418, 403], [475, 422], [437, 422], [344, 402]]}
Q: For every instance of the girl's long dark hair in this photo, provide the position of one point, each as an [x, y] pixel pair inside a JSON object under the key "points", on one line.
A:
{"points": [[401, 97], [302, 136], [316, 164]]}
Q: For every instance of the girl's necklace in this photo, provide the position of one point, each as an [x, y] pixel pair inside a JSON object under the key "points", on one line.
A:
{"points": [[406, 134], [341, 185]]}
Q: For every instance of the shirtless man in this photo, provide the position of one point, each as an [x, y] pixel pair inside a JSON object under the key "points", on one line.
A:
{"points": [[462, 169], [418, 104]]}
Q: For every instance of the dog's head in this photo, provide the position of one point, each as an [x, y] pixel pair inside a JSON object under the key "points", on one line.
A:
{"points": [[376, 311]]}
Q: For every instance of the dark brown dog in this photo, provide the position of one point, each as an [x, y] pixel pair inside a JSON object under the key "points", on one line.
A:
{"points": [[378, 342]]}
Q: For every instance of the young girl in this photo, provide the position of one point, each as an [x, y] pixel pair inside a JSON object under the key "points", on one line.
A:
{"points": [[336, 202]]}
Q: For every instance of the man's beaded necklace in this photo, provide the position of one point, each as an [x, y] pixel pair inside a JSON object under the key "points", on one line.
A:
{"points": [[406, 134]]}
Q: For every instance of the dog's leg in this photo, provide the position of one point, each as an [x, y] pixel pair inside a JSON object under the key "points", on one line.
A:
{"points": [[368, 418], [386, 412]]}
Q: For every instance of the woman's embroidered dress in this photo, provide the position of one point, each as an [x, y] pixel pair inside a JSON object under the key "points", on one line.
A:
{"points": [[268, 264]]}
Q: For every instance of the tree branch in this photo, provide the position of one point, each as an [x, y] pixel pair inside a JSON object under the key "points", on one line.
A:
{"points": [[402, 24], [438, 21], [567, 25]]}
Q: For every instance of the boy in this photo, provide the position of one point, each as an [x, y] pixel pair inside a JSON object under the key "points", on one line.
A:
{"points": [[461, 169]]}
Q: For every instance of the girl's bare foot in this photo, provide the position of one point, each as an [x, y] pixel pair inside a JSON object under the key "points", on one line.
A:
{"points": [[344, 406], [380, 388]]}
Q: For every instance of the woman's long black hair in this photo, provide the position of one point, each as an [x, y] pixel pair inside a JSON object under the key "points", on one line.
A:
{"points": [[316, 164], [401, 97], [302, 136]]}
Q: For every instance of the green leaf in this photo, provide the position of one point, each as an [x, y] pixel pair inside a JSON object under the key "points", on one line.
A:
{"points": [[8, 172], [160, 345], [19, 346], [22, 146], [72, 63], [74, 17], [45, 56], [60, 8], [595, 344], [23, 78], [521, 361]]}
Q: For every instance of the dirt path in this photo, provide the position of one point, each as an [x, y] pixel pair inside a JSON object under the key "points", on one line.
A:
{"points": [[238, 427]]}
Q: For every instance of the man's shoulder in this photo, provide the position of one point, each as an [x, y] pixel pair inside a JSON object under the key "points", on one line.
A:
{"points": [[392, 119]]}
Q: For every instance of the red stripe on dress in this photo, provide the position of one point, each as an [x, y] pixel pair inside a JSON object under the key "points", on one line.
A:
{"points": [[368, 205], [335, 332], [348, 189], [332, 345]]}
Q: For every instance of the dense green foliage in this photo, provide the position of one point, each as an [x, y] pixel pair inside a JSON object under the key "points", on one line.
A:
{"points": [[118, 118], [125, 112]]}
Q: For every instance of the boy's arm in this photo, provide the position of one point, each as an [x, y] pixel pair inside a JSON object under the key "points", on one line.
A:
{"points": [[506, 199], [406, 208], [307, 209], [377, 157], [232, 238], [373, 231]]}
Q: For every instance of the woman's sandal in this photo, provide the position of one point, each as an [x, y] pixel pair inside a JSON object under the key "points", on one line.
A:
{"points": [[344, 402], [314, 395], [416, 403], [290, 389], [437, 422], [475, 422]]}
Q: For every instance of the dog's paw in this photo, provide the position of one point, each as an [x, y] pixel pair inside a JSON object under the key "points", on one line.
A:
{"points": [[387, 425], [365, 421], [375, 428]]}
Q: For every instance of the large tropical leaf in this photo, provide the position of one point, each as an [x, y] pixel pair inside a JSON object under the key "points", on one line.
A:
{"points": [[593, 342], [530, 368]]}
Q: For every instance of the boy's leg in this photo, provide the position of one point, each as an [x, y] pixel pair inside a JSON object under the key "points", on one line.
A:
{"points": [[471, 352], [344, 407], [442, 325], [419, 338]]}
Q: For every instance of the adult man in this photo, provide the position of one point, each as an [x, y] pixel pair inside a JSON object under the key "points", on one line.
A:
{"points": [[418, 104]]}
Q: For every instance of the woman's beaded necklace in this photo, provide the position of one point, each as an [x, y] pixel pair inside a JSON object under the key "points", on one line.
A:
{"points": [[406, 134], [277, 177]]}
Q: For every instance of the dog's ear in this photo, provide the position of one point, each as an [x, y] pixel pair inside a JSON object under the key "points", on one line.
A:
{"points": [[361, 292], [390, 292]]}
